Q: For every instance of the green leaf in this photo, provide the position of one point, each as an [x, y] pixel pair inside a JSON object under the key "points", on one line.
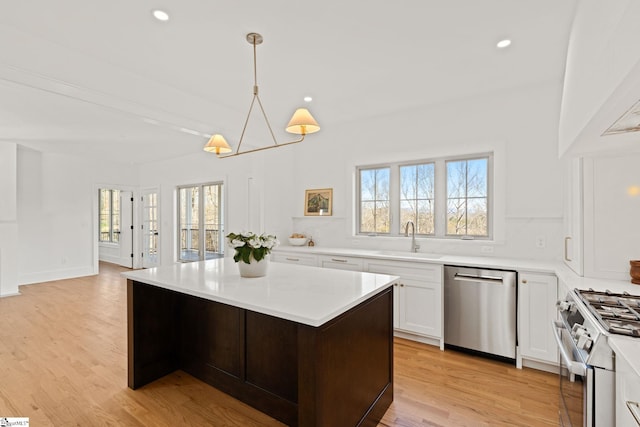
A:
{"points": [[246, 254], [259, 253]]}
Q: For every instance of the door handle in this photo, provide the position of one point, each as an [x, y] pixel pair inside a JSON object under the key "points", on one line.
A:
{"points": [[472, 278], [566, 249]]}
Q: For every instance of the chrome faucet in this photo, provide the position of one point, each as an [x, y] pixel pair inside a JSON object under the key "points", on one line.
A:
{"points": [[414, 245]]}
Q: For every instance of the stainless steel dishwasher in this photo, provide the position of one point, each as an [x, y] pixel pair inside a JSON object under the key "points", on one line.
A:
{"points": [[480, 310]]}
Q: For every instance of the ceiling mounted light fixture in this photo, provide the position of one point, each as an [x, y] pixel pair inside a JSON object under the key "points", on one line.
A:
{"points": [[301, 123]]}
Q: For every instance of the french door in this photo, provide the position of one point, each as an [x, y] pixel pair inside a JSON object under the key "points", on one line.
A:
{"points": [[200, 222], [150, 229]]}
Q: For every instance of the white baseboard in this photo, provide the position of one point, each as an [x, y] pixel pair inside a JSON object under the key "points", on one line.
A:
{"points": [[418, 338], [540, 366], [48, 276], [10, 294]]}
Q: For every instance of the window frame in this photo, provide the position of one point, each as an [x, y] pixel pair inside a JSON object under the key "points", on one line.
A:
{"points": [[440, 196]]}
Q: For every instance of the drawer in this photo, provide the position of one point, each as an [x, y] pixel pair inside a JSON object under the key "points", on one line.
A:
{"points": [[410, 270], [341, 262], [294, 258]]}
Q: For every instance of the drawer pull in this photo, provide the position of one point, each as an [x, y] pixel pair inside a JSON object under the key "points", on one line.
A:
{"points": [[338, 260], [634, 408], [292, 259]]}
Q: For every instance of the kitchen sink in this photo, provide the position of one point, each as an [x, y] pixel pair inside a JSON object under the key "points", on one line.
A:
{"points": [[407, 254]]}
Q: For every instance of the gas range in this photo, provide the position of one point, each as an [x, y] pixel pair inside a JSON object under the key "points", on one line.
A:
{"points": [[617, 313]]}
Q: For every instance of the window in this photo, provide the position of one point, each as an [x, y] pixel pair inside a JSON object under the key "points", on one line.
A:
{"points": [[109, 209], [200, 230], [447, 197], [467, 197], [374, 200]]}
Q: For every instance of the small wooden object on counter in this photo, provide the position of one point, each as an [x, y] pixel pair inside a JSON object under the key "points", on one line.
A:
{"points": [[635, 271], [311, 242]]}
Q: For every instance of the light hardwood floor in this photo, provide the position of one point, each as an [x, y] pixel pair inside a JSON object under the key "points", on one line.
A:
{"points": [[63, 362]]}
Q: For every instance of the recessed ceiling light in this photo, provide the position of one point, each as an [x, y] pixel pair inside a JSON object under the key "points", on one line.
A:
{"points": [[308, 99], [503, 43], [160, 15]]}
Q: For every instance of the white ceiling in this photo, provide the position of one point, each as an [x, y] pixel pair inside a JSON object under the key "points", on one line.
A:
{"points": [[106, 78]]}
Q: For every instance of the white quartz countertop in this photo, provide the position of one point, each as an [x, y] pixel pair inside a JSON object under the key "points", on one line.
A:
{"points": [[629, 349], [307, 295]]}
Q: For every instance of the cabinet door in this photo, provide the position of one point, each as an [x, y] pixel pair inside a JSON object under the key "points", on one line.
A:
{"points": [[573, 218], [420, 308], [627, 394], [341, 262], [294, 258], [537, 295], [417, 295]]}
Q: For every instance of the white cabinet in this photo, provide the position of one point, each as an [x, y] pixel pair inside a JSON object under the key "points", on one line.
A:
{"points": [[341, 262], [294, 258], [537, 296], [573, 214], [627, 394], [417, 298]]}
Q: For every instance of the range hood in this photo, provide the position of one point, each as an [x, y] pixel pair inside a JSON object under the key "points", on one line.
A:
{"points": [[628, 122]]}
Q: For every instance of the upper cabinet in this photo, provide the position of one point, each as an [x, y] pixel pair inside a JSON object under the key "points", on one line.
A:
{"points": [[602, 77], [573, 211]]}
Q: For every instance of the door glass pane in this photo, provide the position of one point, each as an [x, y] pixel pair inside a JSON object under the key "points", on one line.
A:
{"points": [[212, 225], [189, 229]]}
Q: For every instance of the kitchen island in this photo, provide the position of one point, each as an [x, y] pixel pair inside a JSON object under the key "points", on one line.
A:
{"points": [[307, 346]]}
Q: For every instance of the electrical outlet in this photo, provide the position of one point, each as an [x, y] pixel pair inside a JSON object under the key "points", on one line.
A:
{"points": [[541, 242], [486, 249]]}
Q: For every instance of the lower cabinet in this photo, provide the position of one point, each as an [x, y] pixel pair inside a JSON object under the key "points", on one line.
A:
{"points": [[341, 262], [537, 296], [417, 297], [627, 394]]}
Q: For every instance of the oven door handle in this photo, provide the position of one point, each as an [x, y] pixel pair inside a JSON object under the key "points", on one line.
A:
{"points": [[574, 367]]}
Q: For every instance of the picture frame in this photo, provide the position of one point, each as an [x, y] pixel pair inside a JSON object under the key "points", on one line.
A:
{"points": [[318, 202]]}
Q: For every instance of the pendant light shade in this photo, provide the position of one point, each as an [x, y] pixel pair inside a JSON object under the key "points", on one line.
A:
{"points": [[217, 144], [302, 123]]}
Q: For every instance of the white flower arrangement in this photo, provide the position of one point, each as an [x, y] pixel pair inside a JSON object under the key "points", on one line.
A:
{"points": [[249, 244]]}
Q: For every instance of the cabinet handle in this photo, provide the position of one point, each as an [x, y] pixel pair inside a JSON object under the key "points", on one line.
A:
{"points": [[292, 259], [524, 281], [634, 407], [401, 284], [395, 284], [566, 249], [338, 260]]}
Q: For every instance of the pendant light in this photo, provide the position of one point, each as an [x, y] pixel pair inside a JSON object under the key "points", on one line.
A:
{"points": [[301, 123]]}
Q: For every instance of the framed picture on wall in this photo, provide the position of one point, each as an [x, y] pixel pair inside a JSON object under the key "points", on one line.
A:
{"points": [[318, 202]]}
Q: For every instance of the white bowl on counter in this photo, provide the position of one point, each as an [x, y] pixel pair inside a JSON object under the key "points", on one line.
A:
{"points": [[297, 241]]}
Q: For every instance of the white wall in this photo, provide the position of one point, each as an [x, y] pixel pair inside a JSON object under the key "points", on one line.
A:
{"points": [[519, 125], [57, 213], [8, 219], [258, 190]]}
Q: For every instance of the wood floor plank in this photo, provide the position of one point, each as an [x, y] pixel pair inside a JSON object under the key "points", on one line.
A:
{"points": [[63, 362]]}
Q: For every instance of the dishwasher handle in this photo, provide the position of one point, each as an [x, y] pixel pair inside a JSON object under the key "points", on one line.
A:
{"points": [[478, 278]]}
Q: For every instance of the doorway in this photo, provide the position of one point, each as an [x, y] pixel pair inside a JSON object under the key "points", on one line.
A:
{"points": [[201, 223]]}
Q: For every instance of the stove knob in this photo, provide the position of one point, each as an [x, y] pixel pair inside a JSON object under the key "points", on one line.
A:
{"points": [[584, 341], [564, 305]]}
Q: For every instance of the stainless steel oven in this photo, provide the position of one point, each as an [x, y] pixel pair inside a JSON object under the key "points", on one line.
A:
{"points": [[587, 377]]}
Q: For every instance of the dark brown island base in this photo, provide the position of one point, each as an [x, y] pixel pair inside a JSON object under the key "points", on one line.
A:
{"points": [[339, 373]]}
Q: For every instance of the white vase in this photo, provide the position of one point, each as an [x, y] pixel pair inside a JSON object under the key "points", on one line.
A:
{"points": [[254, 268]]}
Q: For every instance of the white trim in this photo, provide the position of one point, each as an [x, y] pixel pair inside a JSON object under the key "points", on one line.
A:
{"points": [[51, 275]]}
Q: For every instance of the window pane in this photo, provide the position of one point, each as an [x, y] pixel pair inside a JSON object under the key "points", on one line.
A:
{"points": [[367, 217], [189, 229], [477, 178], [115, 216], [456, 179], [456, 216], [382, 217], [212, 220], [477, 217], [105, 217], [408, 182], [408, 212], [426, 177], [425, 223], [382, 184], [367, 185]]}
